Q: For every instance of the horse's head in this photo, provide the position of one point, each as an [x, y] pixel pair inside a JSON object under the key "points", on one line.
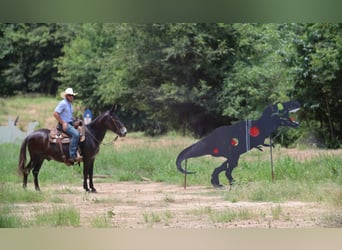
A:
{"points": [[280, 113], [114, 124]]}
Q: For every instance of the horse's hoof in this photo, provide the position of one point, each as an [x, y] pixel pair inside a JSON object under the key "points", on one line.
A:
{"points": [[93, 190]]}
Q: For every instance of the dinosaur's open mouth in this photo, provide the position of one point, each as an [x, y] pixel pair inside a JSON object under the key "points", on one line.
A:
{"points": [[293, 117]]}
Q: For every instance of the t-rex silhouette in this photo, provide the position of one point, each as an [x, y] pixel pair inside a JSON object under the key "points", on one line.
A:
{"points": [[232, 141]]}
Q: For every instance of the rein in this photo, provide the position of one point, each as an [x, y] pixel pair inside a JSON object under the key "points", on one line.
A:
{"points": [[112, 142]]}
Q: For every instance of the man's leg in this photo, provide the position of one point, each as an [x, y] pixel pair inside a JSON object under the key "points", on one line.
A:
{"points": [[75, 136]]}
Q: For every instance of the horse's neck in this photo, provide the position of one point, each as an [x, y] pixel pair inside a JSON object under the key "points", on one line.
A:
{"points": [[96, 131]]}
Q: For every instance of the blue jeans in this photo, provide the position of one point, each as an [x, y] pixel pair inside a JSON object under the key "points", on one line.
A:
{"points": [[75, 136]]}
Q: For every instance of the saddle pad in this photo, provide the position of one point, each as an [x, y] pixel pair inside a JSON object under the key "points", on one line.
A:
{"points": [[65, 138]]}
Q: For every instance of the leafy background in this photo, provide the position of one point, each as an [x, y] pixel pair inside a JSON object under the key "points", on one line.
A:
{"points": [[190, 77]]}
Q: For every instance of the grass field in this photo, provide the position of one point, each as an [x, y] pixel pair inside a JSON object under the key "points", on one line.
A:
{"points": [[28, 109], [306, 175]]}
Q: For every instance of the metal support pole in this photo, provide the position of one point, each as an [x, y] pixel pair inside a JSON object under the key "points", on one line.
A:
{"points": [[185, 173], [271, 158]]}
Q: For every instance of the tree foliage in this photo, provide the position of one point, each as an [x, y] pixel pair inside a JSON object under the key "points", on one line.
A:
{"points": [[259, 76], [28, 53], [183, 76], [318, 70]]}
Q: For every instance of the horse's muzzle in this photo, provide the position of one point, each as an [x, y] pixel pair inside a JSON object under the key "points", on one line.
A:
{"points": [[123, 131]]}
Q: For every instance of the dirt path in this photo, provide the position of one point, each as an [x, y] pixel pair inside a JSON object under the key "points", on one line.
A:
{"points": [[158, 205]]}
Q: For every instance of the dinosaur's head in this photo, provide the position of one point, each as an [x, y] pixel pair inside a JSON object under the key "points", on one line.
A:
{"points": [[281, 113]]}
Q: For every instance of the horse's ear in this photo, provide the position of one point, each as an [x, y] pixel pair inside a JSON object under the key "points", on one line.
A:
{"points": [[115, 106]]}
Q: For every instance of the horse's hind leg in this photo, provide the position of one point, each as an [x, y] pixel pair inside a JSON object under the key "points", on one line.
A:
{"points": [[35, 173], [26, 173]]}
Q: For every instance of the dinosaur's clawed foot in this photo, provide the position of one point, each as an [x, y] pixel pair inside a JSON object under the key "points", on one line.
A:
{"points": [[216, 184]]}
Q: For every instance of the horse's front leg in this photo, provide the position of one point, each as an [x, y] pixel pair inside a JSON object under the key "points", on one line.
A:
{"points": [[88, 170], [85, 176], [91, 173]]}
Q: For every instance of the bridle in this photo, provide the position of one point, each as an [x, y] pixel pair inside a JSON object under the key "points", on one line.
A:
{"points": [[115, 121]]}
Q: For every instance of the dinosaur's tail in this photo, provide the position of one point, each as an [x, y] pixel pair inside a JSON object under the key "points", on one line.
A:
{"points": [[181, 157]]}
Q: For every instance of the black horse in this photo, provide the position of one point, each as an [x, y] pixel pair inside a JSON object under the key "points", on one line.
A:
{"points": [[40, 148], [232, 141]]}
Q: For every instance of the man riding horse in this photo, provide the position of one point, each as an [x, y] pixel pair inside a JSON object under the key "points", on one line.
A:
{"points": [[64, 115], [41, 146]]}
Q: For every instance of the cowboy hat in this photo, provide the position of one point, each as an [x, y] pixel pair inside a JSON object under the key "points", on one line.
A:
{"points": [[68, 91]]}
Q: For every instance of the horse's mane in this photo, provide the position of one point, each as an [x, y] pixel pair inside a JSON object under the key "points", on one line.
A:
{"points": [[95, 120]]}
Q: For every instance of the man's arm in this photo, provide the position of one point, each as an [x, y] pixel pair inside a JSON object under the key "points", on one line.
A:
{"points": [[59, 119]]}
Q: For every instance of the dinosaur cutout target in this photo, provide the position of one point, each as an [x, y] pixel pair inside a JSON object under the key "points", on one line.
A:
{"points": [[232, 141]]}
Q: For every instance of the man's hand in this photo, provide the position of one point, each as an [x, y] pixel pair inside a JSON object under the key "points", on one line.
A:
{"points": [[65, 126]]}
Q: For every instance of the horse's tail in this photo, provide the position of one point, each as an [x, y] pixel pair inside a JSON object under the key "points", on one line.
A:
{"points": [[22, 156], [181, 157]]}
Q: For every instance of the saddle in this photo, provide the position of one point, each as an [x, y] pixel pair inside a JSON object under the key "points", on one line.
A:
{"points": [[57, 136]]}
